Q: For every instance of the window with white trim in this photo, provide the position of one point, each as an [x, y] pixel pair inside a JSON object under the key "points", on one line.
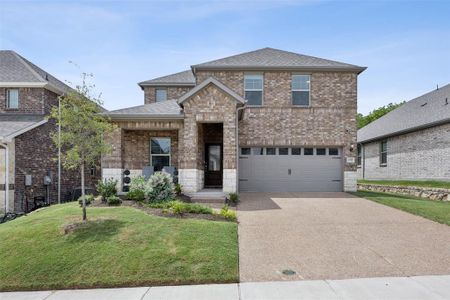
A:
{"points": [[12, 98], [160, 153], [161, 94], [301, 90], [253, 88]]}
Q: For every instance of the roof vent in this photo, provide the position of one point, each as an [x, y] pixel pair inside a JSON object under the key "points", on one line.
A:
{"points": [[446, 101], [46, 76], [424, 104]]}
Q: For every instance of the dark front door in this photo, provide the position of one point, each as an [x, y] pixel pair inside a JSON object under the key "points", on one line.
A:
{"points": [[213, 166]]}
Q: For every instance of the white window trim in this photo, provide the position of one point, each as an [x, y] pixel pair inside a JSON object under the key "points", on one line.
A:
{"points": [[255, 90], [8, 106], [300, 90], [169, 155], [156, 94]]}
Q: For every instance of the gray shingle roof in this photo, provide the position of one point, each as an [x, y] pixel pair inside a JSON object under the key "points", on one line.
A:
{"points": [[164, 109], [10, 125], [16, 69], [185, 78], [424, 111], [269, 58]]}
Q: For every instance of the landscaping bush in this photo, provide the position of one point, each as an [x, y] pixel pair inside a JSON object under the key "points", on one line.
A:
{"points": [[227, 213], [233, 197], [180, 207], [178, 189], [89, 199], [138, 186], [160, 187], [113, 200], [107, 188]]}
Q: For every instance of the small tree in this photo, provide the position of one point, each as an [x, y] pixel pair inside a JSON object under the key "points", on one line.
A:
{"points": [[82, 129]]}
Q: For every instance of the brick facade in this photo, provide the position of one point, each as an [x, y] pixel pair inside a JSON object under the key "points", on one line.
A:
{"points": [[35, 154], [418, 155], [173, 92], [329, 121]]}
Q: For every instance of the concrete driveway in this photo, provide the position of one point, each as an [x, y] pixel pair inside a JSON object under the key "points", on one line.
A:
{"points": [[335, 236]]}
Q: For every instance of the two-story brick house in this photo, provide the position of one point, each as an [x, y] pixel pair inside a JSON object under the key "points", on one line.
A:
{"points": [[266, 120], [27, 94]]}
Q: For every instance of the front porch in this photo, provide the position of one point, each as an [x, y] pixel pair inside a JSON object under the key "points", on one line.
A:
{"points": [[156, 145]]}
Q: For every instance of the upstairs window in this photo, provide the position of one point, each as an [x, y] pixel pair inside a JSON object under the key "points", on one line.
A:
{"points": [[383, 154], [253, 87], [301, 90], [12, 98], [161, 94]]}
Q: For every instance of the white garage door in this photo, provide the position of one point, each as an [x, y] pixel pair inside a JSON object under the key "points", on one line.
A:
{"points": [[309, 169]]}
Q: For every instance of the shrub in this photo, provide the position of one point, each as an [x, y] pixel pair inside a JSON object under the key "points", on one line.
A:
{"points": [[113, 200], [178, 189], [138, 186], [107, 188], [233, 197], [180, 207], [160, 187], [89, 199], [227, 213]]}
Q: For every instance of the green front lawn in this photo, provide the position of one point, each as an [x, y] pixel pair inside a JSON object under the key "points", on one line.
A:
{"points": [[434, 210], [119, 246], [428, 183]]}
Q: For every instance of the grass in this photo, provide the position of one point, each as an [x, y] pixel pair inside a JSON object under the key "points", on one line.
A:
{"points": [[427, 183], [118, 246], [434, 210]]}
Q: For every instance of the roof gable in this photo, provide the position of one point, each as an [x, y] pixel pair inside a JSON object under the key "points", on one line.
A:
{"points": [[269, 58], [18, 71], [215, 82], [427, 110]]}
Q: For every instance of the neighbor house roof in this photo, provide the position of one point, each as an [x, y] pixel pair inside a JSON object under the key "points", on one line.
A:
{"points": [[16, 71], [185, 78], [168, 109], [14, 125], [425, 111], [215, 82], [269, 58]]}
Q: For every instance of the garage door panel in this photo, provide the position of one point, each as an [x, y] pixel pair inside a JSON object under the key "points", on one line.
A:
{"points": [[290, 173]]}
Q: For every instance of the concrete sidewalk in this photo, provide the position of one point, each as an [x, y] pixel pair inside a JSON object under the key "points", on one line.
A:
{"points": [[419, 287]]}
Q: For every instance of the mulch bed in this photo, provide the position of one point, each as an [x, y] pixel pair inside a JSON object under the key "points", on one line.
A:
{"points": [[161, 213]]}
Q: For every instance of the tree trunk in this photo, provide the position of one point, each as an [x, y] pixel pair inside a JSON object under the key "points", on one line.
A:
{"points": [[83, 192]]}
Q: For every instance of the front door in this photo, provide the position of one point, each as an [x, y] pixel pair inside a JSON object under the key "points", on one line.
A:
{"points": [[213, 165]]}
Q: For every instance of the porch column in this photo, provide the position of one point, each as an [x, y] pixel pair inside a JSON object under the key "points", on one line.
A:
{"points": [[190, 175], [229, 155]]}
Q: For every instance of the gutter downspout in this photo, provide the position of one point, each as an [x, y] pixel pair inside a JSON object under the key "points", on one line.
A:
{"points": [[4, 145], [237, 146]]}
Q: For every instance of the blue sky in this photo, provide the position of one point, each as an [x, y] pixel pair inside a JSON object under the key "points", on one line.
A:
{"points": [[404, 44]]}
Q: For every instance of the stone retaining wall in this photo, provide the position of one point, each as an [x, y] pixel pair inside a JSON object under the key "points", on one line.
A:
{"points": [[423, 192]]}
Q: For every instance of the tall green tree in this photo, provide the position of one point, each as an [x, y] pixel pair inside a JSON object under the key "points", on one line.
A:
{"points": [[376, 114], [82, 129]]}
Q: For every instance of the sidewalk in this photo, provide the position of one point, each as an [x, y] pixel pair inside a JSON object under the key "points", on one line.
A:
{"points": [[419, 287]]}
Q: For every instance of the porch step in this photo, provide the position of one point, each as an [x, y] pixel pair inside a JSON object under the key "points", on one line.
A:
{"points": [[208, 196]]}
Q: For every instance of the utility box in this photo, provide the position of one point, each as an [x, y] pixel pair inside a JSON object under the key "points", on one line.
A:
{"points": [[28, 180], [47, 180]]}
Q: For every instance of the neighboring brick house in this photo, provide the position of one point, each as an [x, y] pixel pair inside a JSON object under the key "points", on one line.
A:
{"points": [[410, 142], [27, 94], [266, 120]]}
